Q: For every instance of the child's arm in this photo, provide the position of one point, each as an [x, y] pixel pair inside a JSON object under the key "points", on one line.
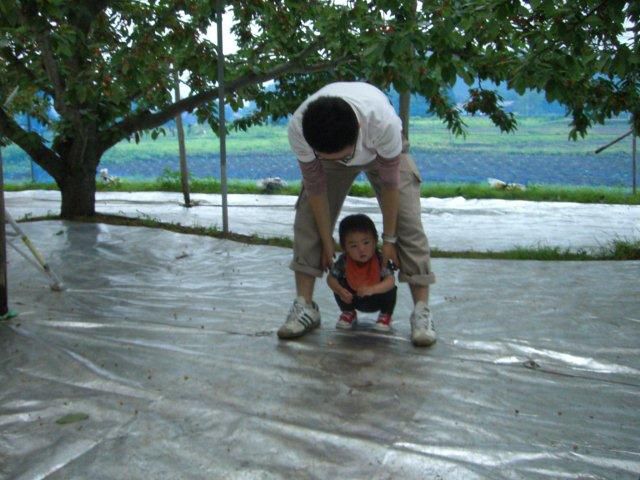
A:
{"points": [[339, 290], [386, 284]]}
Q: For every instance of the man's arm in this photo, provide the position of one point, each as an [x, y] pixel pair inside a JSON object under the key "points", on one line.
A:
{"points": [[389, 204], [320, 208], [315, 185]]}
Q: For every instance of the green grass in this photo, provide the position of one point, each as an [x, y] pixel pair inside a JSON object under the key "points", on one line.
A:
{"points": [[170, 182], [616, 250], [537, 193]]}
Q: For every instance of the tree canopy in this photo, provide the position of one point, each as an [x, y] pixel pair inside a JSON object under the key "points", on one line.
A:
{"points": [[98, 72]]}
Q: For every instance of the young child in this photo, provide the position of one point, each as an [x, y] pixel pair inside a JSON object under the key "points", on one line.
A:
{"points": [[358, 279]]}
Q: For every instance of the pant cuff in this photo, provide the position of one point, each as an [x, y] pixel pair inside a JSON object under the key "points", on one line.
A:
{"points": [[306, 269], [423, 280]]}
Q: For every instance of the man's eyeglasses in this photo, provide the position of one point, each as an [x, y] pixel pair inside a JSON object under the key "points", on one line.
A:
{"points": [[344, 160]]}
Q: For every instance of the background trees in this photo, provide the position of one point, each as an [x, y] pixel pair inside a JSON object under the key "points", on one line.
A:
{"points": [[99, 72]]}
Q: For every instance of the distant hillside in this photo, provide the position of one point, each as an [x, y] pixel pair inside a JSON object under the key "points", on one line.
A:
{"points": [[532, 103]]}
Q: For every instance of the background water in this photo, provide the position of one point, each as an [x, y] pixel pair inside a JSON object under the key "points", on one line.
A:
{"points": [[467, 167]]}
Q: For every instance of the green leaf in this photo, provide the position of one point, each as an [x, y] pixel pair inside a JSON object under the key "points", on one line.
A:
{"points": [[81, 94], [432, 62], [374, 50], [449, 73], [467, 76], [72, 418]]}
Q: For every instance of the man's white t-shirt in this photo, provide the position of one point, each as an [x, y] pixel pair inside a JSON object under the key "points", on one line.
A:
{"points": [[380, 127]]}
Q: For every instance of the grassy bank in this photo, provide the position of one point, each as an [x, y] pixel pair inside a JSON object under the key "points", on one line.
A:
{"points": [[170, 182]]}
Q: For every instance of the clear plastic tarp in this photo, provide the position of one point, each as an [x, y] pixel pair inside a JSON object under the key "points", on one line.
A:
{"points": [[160, 360]]}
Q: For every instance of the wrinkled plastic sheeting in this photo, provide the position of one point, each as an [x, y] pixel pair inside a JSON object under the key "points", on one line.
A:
{"points": [[161, 360], [493, 225]]}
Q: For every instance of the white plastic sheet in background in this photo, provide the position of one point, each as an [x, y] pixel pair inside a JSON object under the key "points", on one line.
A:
{"points": [[453, 224], [161, 361]]}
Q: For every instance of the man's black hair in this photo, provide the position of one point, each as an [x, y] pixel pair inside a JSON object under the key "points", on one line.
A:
{"points": [[329, 124], [358, 222]]}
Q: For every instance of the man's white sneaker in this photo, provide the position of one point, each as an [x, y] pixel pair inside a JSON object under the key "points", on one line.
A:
{"points": [[302, 319], [423, 334]]}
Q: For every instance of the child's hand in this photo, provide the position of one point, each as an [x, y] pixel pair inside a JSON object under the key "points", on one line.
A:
{"points": [[346, 296], [365, 291]]}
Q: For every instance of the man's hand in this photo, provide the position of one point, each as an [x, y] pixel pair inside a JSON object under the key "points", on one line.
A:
{"points": [[389, 252], [328, 254]]}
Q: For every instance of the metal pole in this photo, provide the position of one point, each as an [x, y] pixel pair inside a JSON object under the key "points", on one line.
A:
{"points": [[634, 118], [184, 169], [621, 137], [221, 121], [633, 158], [633, 155], [4, 298]]}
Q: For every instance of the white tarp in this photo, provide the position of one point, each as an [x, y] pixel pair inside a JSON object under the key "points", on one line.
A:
{"points": [[160, 361]]}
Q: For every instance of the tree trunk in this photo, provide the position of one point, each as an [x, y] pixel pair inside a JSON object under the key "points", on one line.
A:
{"points": [[405, 103], [78, 190]]}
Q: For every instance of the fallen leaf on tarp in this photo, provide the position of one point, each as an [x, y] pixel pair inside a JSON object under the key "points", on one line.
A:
{"points": [[72, 418]]}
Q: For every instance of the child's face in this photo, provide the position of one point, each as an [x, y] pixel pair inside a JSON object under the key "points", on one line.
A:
{"points": [[360, 246]]}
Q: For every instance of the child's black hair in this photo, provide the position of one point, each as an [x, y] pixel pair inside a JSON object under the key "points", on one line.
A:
{"points": [[329, 124], [358, 222]]}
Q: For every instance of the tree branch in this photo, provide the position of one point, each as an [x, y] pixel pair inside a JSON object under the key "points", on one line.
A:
{"points": [[14, 62], [147, 120], [31, 143], [50, 66]]}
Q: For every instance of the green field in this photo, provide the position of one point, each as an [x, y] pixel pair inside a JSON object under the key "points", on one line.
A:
{"points": [[534, 136]]}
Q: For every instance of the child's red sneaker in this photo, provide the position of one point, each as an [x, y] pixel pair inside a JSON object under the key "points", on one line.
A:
{"points": [[347, 320], [383, 324]]}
